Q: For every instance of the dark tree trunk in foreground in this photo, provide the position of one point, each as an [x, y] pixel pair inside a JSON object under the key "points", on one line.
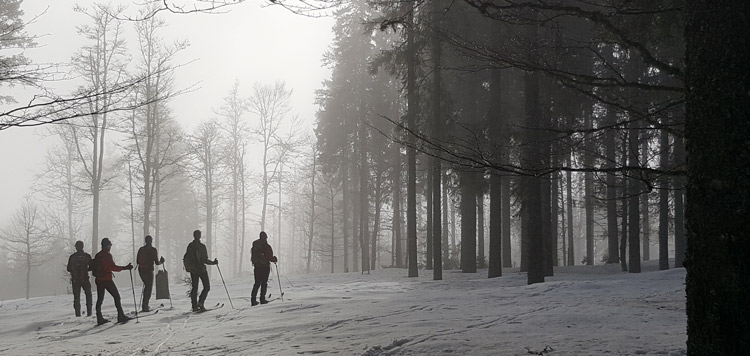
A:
{"points": [[717, 128]]}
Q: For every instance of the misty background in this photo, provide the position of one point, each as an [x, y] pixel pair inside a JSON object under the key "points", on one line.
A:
{"points": [[251, 44]]}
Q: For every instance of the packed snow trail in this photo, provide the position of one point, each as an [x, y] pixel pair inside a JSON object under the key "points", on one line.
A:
{"points": [[583, 310]]}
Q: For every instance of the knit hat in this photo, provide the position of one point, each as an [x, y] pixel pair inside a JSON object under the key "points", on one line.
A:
{"points": [[105, 242]]}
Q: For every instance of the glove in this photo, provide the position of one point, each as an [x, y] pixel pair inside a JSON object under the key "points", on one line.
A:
{"points": [[162, 259], [216, 261], [129, 266]]}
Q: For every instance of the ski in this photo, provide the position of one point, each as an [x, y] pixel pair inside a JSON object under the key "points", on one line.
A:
{"points": [[217, 306], [150, 312]]}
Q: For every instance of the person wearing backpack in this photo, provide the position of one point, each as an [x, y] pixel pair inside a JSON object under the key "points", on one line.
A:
{"points": [[261, 255], [103, 267], [195, 260], [147, 257], [78, 266]]}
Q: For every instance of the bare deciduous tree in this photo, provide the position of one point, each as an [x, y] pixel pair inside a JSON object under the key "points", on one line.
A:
{"points": [[28, 240]]}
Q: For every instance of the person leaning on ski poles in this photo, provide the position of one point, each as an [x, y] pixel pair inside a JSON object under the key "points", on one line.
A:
{"points": [[105, 282], [198, 271], [261, 255], [147, 257]]}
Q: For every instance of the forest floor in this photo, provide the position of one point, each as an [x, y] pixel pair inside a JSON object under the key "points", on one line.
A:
{"points": [[582, 310]]}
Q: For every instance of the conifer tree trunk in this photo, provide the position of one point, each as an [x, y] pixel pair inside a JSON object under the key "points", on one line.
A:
{"points": [[624, 206], [680, 238], [505, 221], [411, 121], [496, 263], [646, 228], [399, 253], [588, 179], [664, 202], [468, 222], [428, 225], [446, 245], [613, 255], [634, 229], [481, 260], [345, 212], [435, 190], [532, 203], [571, 245], [718, 191], [364, 204]]}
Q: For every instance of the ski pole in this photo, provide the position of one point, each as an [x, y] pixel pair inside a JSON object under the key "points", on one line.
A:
{"points": [[132, 285], [170, 294], [225, 285], [279, 279], [143, 290]]}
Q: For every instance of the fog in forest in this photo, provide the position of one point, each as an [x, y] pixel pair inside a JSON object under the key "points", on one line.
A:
{"points": [[350, 139]]}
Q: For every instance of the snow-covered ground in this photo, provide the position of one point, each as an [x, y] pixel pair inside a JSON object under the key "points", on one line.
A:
{"points": [[583, 310]]}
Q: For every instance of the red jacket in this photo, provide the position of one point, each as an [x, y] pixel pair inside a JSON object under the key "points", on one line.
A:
{"points": [[108, 266]]}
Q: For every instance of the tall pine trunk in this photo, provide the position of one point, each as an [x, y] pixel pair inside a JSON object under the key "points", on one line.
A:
{"points": [[634, 229], [532, 204], [505, 221], [571, 244], [664, 202], [717, 128], [437, 128], [468, 222], [645, 216], [411, 122], [680, 238], [611, 153]]}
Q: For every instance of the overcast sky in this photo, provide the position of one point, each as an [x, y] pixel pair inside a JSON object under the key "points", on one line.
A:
{"points": [[250, 43]]}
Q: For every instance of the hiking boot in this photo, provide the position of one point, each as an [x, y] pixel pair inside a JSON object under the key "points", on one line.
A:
{"points": [[253, 302], [101, 321]]}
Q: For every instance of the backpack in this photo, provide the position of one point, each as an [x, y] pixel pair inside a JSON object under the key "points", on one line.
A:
{"points": [[257, 257], [190, 260], [96, 268], [78, 264]]}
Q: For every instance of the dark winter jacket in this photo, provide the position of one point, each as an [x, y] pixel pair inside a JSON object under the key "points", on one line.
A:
{"points": [[108, 266], [147, 257], [261, 254], [78, 266], [201, 254]]}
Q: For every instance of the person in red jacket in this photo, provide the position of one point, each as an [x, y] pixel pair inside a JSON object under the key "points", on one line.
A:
{"points": [[261, 255], [105, 282]]}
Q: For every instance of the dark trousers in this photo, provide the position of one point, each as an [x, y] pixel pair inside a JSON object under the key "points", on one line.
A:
{"points": [[148, 284], [203, 276], [77, 285], [261, 281], [110, 287]]}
